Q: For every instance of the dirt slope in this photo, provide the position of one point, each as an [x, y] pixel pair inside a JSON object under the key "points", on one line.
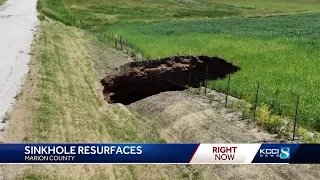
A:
{"points": [[185, 117]]}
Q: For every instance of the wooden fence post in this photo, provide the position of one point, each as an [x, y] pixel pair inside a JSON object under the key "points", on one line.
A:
{"points": [[121, 43], [190, 73], [115, 41], [227, 91], [295, 118], [205, 81], [256, 101]]}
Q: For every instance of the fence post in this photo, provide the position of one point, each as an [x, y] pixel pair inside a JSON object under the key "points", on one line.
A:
{"points": [[104, 36], [127, 46], [142, 55], [295, 118], [121, 43], [115, 41], [205, 81], [190, 73], [256, 100], [227, 91]]}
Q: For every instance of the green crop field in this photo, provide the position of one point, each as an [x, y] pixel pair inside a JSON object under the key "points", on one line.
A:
{"points": [[281, 5], [281, 52], [101, 12]]}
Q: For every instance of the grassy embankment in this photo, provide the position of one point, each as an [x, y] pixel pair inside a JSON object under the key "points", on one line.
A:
{"points": [[279, 52], [60, 103]]}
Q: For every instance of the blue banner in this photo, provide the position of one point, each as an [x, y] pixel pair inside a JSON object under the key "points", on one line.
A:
{"points": [[96, 153]]}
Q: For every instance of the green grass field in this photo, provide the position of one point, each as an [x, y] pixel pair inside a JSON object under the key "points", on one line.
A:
{"points": [[280, 52], [280, 5], [100, 12]]}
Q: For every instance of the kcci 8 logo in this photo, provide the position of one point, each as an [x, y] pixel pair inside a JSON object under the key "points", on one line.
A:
{"points": [[282, 153]]}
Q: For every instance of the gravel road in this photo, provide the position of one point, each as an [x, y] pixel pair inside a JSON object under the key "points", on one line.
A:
{"points": [[18, 20]]}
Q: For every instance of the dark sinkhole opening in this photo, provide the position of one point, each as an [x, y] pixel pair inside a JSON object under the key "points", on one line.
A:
{"points": [[137, 80]]}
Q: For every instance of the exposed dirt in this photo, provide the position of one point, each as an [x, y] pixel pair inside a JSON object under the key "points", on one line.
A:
{"points": [[187, 117], [137, 80], [184, 117]]}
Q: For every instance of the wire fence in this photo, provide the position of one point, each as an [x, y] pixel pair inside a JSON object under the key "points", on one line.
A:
{"points": [[121, 43]]}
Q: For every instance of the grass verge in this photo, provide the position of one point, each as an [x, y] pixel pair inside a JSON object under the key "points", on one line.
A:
{"points": [[70, 106]]}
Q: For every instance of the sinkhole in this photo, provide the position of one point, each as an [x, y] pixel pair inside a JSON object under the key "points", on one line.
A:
{"points": [[137, 80]]}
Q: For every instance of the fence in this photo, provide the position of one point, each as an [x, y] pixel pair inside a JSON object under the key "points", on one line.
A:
{"points": [[116, 41], [121, 43]]}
